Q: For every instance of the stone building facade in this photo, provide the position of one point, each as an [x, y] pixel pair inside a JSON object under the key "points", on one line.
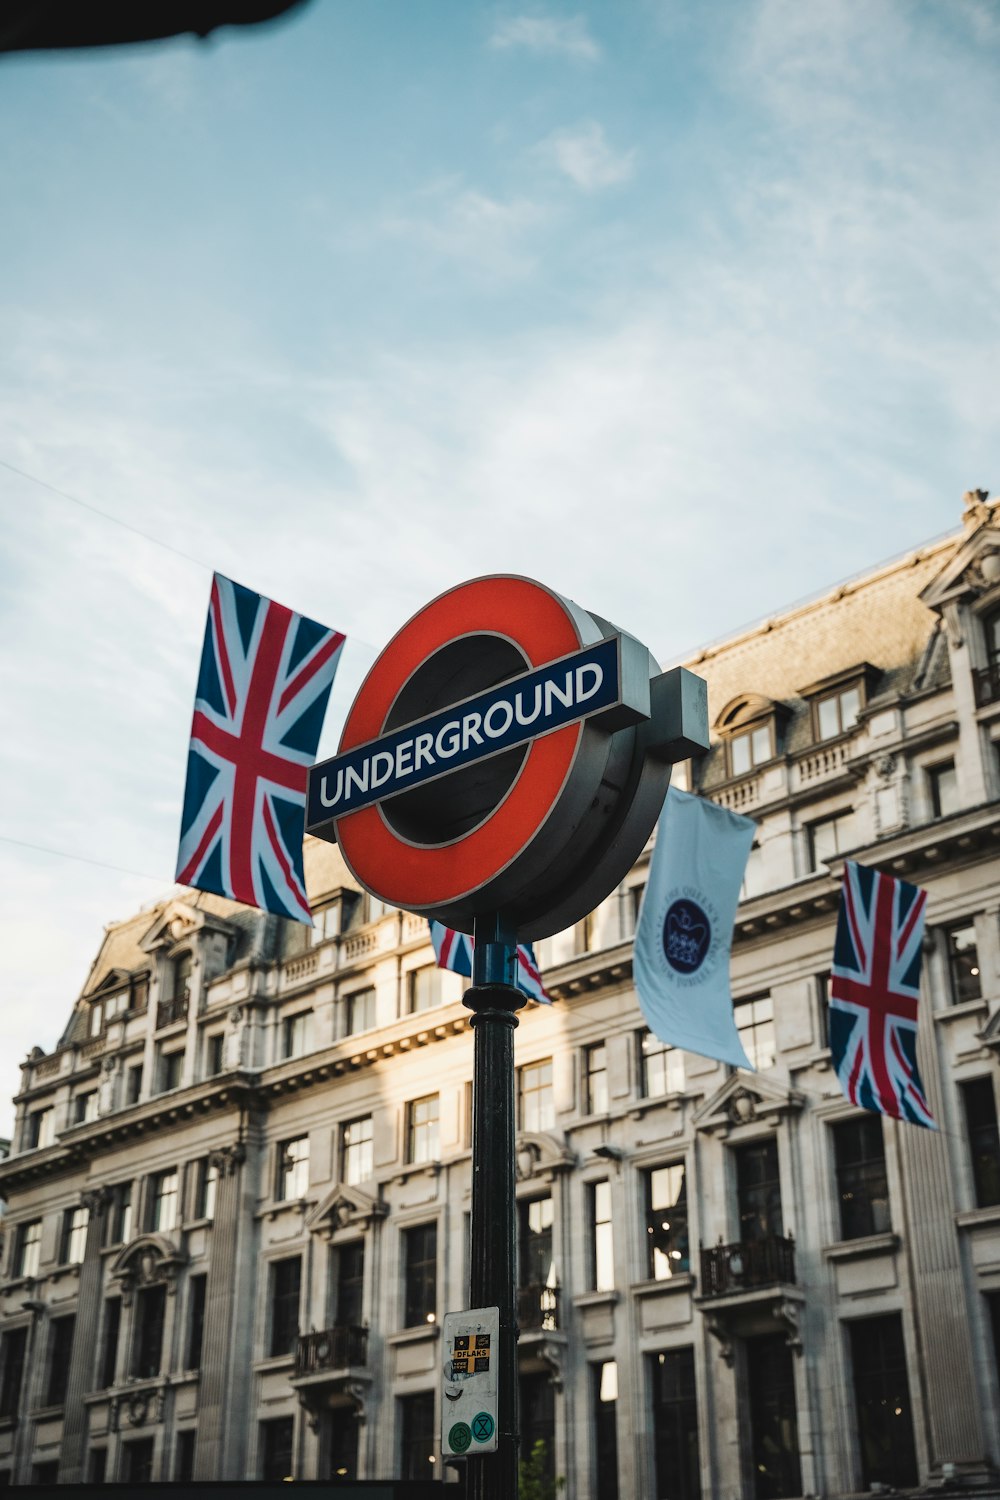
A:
{"points": [[238, 1192]]}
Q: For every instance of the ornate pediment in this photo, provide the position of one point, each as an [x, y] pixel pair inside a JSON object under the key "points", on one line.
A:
{"points": [[972, 570], [345, 1207], [150, 1260], [746, 1099], [174, 922], [539, 1155]]}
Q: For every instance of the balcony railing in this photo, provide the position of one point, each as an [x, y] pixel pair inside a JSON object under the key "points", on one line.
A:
{"points": [[986, 681], [169, 1011], [744, 1267], [538, 1308], [332, 1349]]}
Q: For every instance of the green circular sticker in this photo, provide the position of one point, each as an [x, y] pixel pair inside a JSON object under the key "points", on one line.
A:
{"points": [[459, 1437], [482, 1426]]}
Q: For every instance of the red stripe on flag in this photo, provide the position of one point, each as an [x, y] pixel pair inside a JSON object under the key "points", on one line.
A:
{"points": [[194, 863], [309, 669], [286, 868]]}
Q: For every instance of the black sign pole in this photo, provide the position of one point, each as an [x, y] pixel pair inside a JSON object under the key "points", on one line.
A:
{"points": [[494, 1001]]}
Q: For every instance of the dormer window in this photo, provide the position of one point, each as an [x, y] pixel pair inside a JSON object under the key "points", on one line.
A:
{"points": [[750, 726], [837, 701], [751, 748], [837, 713]]}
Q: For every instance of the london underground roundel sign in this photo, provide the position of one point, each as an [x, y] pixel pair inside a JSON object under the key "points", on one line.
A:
{"points": [[508, 752]]}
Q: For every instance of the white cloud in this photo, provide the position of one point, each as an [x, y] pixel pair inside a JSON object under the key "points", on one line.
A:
{"points": [[547, 35], [586, 158], [489, 235]]}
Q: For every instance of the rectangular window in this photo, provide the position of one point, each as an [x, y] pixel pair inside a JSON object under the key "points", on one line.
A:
{"points": [[133, 1084], [675, 1424], [350, 1284], [109, 1351], [423, 988], [862, 1186], [632, 898], [184, 1456], [85, 1107], [293, 1169], [943, 785], [829, 837], [749, 749], [45, 1473], [837, 713], [12, 1350], [604, 1385], [984, 1139], [422, 1129], [758, 1190], [40, 1129], [882, 1397], [596, 1079], [822, 983], [27, 1248], [774, 1426], [420, 1275], [963, 964], [276, 1441], [360, 1011], [536, 1105], [357, 1164], [208, 1182], [120, 1218], [74, 1236], [147, 1352], [182, 968], [535, 1264], [286, 1284], [60, 1354], [163, 1202], [661, 1067], [296, 1034], [214, 1054], [537, 1424], [97, 1465], [196, 1320], [171, 1069], [326, 924], [137, 1461], [667, 1249], [602, 1245], [418, 1434], [754, 1017]]}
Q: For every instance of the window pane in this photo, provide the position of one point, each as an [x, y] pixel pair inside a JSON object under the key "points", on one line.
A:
{"points": [[760, 743], [165, 1202], [829, 718], [662, 1067], [850, 707], [420, 1262], [423, 1131], [773, 1418], [740, 749], [537, 1105], [881, 1392], [755, 1024], [604, 1266], [984, 1139], [944, 790], [862, 1186], [293, 1175], [286, 1282], [675, 1425], [963, 964], [597, 1080], [604, 1379], [360, 1011], [358, 1163], [668, 1252]]}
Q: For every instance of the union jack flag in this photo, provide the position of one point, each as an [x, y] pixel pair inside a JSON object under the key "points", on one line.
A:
{"points": [[454, 951], [874, 991], [263, 687]]}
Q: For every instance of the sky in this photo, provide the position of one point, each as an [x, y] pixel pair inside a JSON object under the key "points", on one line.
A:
{"points": [[688, 308]]}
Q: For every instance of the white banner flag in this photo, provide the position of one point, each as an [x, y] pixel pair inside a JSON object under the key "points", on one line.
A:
{"points": [[685, 928]]}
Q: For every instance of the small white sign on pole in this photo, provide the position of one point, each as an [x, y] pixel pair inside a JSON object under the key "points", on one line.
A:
{"points": [[469, 1414]]}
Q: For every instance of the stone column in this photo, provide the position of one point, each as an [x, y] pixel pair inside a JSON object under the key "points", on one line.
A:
{"points": [[224, 1309], [85, 1335]]}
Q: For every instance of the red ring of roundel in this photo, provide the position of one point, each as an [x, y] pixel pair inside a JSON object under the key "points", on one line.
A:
{"points": [[404, 874]]}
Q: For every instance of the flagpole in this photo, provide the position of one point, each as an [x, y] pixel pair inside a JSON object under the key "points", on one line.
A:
{"points": [[494, 1002]]}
